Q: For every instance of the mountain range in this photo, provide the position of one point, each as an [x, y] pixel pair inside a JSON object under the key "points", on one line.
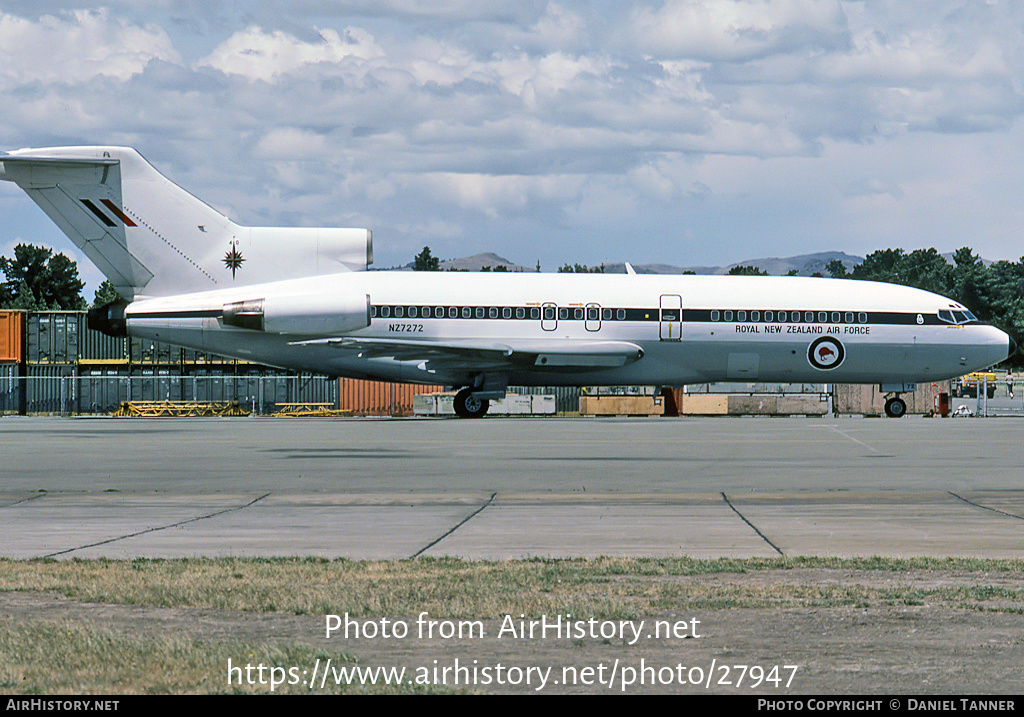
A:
{"points": [[804, 264]]}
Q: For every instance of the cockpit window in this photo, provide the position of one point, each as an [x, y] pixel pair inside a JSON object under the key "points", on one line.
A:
{"points": [[956, 316]]}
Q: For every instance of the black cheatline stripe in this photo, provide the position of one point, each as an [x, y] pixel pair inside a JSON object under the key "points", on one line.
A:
{"points": [[689, 316], [99, 214], [204, 314]]}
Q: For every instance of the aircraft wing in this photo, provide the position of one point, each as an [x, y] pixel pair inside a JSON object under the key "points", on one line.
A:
{"points": [[490, 355]]}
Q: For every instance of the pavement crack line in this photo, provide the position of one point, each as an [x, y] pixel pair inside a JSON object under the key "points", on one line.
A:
{"points": [[985, 507], [25, 500], [752, 526], [847, 436], [455, 527], [159, 527]]}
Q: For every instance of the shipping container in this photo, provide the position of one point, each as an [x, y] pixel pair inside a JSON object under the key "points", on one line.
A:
{"points": [[148, 351], [96, 347], [12, 389], [379, 398], [52, 337], [12, 333], [102, 390], [156, 384], [50, 389]]}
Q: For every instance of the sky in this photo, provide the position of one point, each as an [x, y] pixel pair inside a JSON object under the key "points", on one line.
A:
{"points": [[677, 132]]}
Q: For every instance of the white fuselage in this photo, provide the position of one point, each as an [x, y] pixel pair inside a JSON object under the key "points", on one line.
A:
{"points": [[691, 329]]}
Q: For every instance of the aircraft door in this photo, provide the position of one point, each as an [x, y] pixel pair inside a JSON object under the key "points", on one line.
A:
{"points": [[549, 316], [671, 317], [593, 317]]}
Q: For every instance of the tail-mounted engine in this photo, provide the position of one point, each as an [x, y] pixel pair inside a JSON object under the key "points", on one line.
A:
{"points": [[308, 314]]}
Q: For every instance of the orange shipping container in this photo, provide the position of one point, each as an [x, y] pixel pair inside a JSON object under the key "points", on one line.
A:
{"points": [[379, 398], [12, 329]]}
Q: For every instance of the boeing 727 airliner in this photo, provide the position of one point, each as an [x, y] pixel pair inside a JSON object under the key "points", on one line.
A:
{"points": [[303, 299]]}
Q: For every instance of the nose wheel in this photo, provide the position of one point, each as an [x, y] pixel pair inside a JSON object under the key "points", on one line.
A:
{"points": [[895, 407]]}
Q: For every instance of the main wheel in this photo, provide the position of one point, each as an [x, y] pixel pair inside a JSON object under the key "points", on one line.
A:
{"points": [[895, 408], [468, 406]]}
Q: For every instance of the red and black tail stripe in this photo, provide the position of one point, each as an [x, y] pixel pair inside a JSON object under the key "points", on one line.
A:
{"points": [[102, 216]]}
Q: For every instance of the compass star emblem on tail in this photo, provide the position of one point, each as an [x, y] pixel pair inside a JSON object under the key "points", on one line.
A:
{"points": [[233, 260]]}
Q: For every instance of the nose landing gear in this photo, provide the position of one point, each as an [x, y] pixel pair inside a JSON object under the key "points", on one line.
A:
{"points": [[895, 407]]}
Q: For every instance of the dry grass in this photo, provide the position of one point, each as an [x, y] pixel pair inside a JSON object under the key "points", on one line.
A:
{"points": [[80, 659], [75, 658], [605, 587]]}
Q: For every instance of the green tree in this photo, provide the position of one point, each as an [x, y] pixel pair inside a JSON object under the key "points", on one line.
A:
{"points": [[837, 269], [425, 261], [580, 269], [105, 294], [747, 271], [36, 279]]}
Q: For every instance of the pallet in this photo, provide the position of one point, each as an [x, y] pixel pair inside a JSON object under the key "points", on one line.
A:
{"points": [[179, 409]]}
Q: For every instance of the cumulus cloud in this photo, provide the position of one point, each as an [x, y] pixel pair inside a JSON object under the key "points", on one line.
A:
{"points": [[260, 55], [76, 47], [738, 30]]}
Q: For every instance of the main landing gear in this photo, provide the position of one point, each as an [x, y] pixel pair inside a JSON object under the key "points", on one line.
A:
{"points": [[468, 405]]}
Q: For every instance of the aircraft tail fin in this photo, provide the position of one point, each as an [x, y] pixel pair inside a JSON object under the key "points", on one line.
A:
{"points": [[152, 238]]}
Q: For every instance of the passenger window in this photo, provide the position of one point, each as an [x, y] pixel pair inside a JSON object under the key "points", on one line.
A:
{"points": [[520, 313], [755, 315], [373, 311], [385, 311], [849, 317], [493, 313], [835, 317], [439, 312], [809, 317], [728, 316], [549, 313], [782, 316], [862, 317], [506, 313], [741, 315], [822, 317], [593, 314], [399, 312], [768, 316], [621, 314], [535, 313], [714, 315], [467, 313], [563, 314], [480, 312], [607, 314], [412, 312], [577, 314]]}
